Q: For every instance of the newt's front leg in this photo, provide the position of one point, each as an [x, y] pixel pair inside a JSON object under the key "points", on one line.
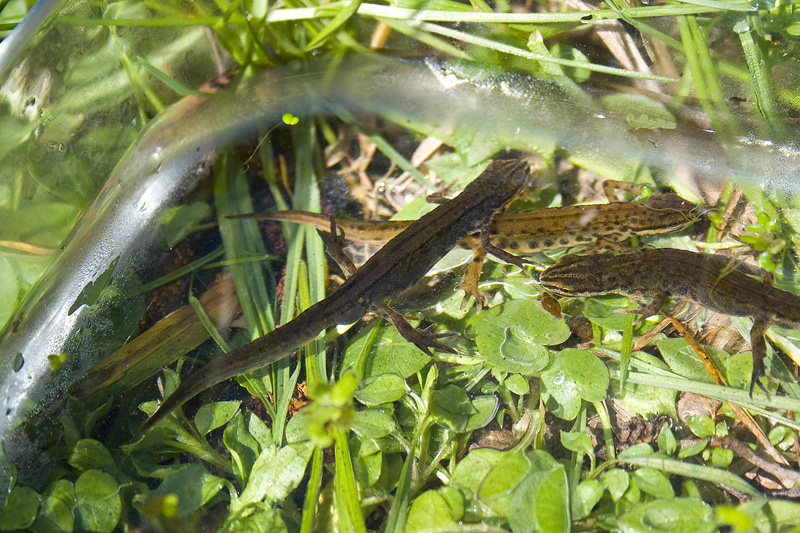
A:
{"points": [[422, 339]]}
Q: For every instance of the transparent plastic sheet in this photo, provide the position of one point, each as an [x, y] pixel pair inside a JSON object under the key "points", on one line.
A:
{"points": [[69, 113], [116, 235]]}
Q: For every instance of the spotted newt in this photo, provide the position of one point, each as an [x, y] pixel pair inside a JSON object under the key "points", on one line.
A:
{"points": [[661, 273], [393, 269], [526, 232]]}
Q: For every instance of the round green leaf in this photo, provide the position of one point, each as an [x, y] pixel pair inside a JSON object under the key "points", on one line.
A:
{"points": [[471, 471], [602, 311], [700, 425], [21, 509], [264, 520], [512, 336], [586, 497], [721, 458], [740, 369], [90, 454], [485, 407], [368, 468], [213, 415], [450, 407], [392, 354], [578, 441], [55, 513], [497, 487], [289, 119], [192, 484], [653, 482], [454, 500], [683, 360], [518, 384], [99, 504], [383, 388], [559, 393], [518, 354], [373, 423], [429, 513], [541, 501], [588, 373], [667, 443], [618, 481]]}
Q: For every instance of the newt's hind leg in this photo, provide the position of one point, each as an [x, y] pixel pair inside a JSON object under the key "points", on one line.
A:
{"points": [[422, 338]]}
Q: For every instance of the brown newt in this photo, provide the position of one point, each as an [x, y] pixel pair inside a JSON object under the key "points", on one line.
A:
{"points": [[526, 232], [661, 273], [393, 269]]}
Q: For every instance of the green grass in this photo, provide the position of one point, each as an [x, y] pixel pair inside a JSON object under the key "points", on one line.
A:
{"points": [[391, 440]]}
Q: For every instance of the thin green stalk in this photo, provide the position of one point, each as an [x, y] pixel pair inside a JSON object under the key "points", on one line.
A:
{"points": [[576, 459], [207, 323], [706, 473], [241, 238], [312, 492], [309, 198], [513, 50], [291, 14], [348, 502], [625, 357], [760, 74], [692, 61], [424, 37], [194, 266], [608, 432], [304, 298], [396, 522]]}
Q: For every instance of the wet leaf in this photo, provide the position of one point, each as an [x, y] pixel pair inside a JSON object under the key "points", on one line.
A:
{"points": [[193, 485], [21, 509], [383, 388], [99, 505], [213, 415]]}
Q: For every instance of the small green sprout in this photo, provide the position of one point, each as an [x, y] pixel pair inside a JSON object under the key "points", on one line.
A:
{"points": [[765, 241], [332, 405]]}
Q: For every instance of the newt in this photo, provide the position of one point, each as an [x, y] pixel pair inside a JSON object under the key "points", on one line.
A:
{"points": [[526, 232], [665, 272], [394, 268]]}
